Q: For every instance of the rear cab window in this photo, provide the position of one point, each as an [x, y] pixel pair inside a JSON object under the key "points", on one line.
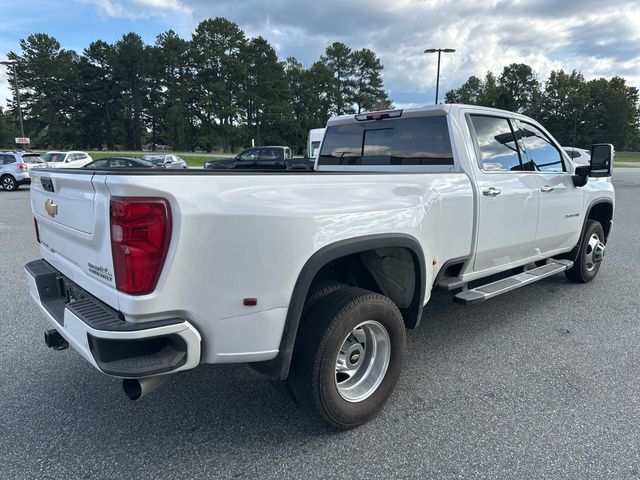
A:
{"points": [[412, 141]]}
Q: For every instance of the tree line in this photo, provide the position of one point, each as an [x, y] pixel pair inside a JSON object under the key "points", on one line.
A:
{"points": [[220, 89], [217, 90], [577, 112]]}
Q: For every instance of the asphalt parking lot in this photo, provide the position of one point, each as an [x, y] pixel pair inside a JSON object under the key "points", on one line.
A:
{"points": [[543, 382]]}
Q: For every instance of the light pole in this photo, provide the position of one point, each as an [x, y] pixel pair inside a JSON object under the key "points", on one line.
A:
{"points": [[15, 80], [439, 51]]}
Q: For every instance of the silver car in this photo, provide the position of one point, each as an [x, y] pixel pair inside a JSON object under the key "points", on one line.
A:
{"points": [[165, 160], [578, 155], [15, 166]]}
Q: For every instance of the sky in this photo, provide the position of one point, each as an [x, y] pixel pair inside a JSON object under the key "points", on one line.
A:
{"points": [[598, 38]]}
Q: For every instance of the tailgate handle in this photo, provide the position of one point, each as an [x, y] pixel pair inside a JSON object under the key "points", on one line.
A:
{"points": [[47, 184]]}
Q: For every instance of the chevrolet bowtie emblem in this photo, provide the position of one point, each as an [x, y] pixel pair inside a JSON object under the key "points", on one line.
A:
{"points": [[51, 208]]}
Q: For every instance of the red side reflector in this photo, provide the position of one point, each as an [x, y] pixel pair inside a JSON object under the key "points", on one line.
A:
{"points": [[250, 302], [140, 236]]}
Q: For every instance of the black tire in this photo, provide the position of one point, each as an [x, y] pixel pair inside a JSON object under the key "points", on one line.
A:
{"points": [[581, 272], [9, 183], [318, 291], [322, 334]]}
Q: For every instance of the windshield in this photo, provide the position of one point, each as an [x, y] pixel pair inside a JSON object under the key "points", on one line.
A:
{"points": [[53, 157]]}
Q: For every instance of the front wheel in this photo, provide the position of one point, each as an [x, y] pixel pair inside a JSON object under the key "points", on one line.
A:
{"points": [[348, 356], [591, 254], [9, 183]]}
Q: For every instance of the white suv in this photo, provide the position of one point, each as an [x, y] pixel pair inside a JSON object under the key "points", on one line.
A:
{"points": [[15, 166], [72, 159]]}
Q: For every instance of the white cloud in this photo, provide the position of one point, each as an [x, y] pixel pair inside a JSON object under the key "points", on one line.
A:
{"points": [[597, 38], [164, 5], [111, 9], [139, 9], [5, 91]]}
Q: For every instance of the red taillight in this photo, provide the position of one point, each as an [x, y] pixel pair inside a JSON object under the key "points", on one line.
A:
{"points": [[35, 222], [21, 166], [140, 235]]}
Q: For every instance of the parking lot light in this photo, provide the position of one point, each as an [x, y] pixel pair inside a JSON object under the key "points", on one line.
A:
{"points": [[439, 51]]}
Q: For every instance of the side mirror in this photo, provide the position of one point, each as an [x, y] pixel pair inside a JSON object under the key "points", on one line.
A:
{"points": [[580, 176], [601, 159]]}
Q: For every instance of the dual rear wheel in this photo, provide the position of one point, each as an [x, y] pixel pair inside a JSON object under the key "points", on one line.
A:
{"points": [[348, 356]]}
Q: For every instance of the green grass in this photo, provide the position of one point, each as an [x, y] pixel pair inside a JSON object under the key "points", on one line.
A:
{"points": [[627, 158], [193, 159]]}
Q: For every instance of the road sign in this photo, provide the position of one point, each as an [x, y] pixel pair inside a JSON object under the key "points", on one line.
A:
{"points": [[22, 140]]}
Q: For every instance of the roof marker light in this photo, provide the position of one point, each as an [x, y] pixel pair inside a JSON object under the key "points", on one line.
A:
{"points": [[378, 115]]}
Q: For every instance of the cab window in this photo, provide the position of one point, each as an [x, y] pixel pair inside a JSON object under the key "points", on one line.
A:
{"points": [[497, 143], [250, 154], [542, 155]]}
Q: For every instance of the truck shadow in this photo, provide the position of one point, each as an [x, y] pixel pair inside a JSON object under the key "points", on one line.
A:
{"points": [[231, 406]]}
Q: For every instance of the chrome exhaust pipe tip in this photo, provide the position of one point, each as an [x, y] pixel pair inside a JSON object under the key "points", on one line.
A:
{"points": [[136, 388]]}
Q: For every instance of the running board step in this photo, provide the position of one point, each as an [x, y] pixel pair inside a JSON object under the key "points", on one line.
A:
{"points": [[451, 283], [490, 290]]}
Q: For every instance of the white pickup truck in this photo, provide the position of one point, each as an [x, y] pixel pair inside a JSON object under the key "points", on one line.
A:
{"points": [[312, 277]]}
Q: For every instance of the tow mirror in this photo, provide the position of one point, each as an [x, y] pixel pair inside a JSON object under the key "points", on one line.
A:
{"points": [[601, 160]]}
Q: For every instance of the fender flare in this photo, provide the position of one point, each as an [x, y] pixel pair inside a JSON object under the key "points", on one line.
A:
{"points": [[278, 368], [573, 253]]}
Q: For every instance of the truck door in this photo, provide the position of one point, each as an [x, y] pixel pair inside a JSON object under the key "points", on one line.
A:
{"points": [[561, 203], [508, 195]]}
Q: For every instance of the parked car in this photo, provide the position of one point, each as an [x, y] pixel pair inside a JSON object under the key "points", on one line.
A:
{"points": [[15, 168], [268, 157], [578, 155], [165, 160], [119, 162], [313, 276], [73, 159]]}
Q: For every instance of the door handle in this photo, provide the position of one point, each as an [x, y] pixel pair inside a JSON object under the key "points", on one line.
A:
{"points": [[546, 188], [491, 192]]}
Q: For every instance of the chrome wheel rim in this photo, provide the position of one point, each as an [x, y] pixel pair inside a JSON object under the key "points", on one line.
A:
{"points": [[7, 183], [362, 361], [594, 252]]}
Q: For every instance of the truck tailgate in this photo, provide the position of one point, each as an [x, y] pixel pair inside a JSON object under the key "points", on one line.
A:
{"points": [[72, 212], [66, 199]]}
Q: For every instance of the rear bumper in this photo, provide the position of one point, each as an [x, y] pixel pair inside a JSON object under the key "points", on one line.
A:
{"points": [[98, 332], [22, 178]]}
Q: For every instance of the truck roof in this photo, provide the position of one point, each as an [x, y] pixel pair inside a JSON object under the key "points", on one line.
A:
{"points": [[446, 108]]}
